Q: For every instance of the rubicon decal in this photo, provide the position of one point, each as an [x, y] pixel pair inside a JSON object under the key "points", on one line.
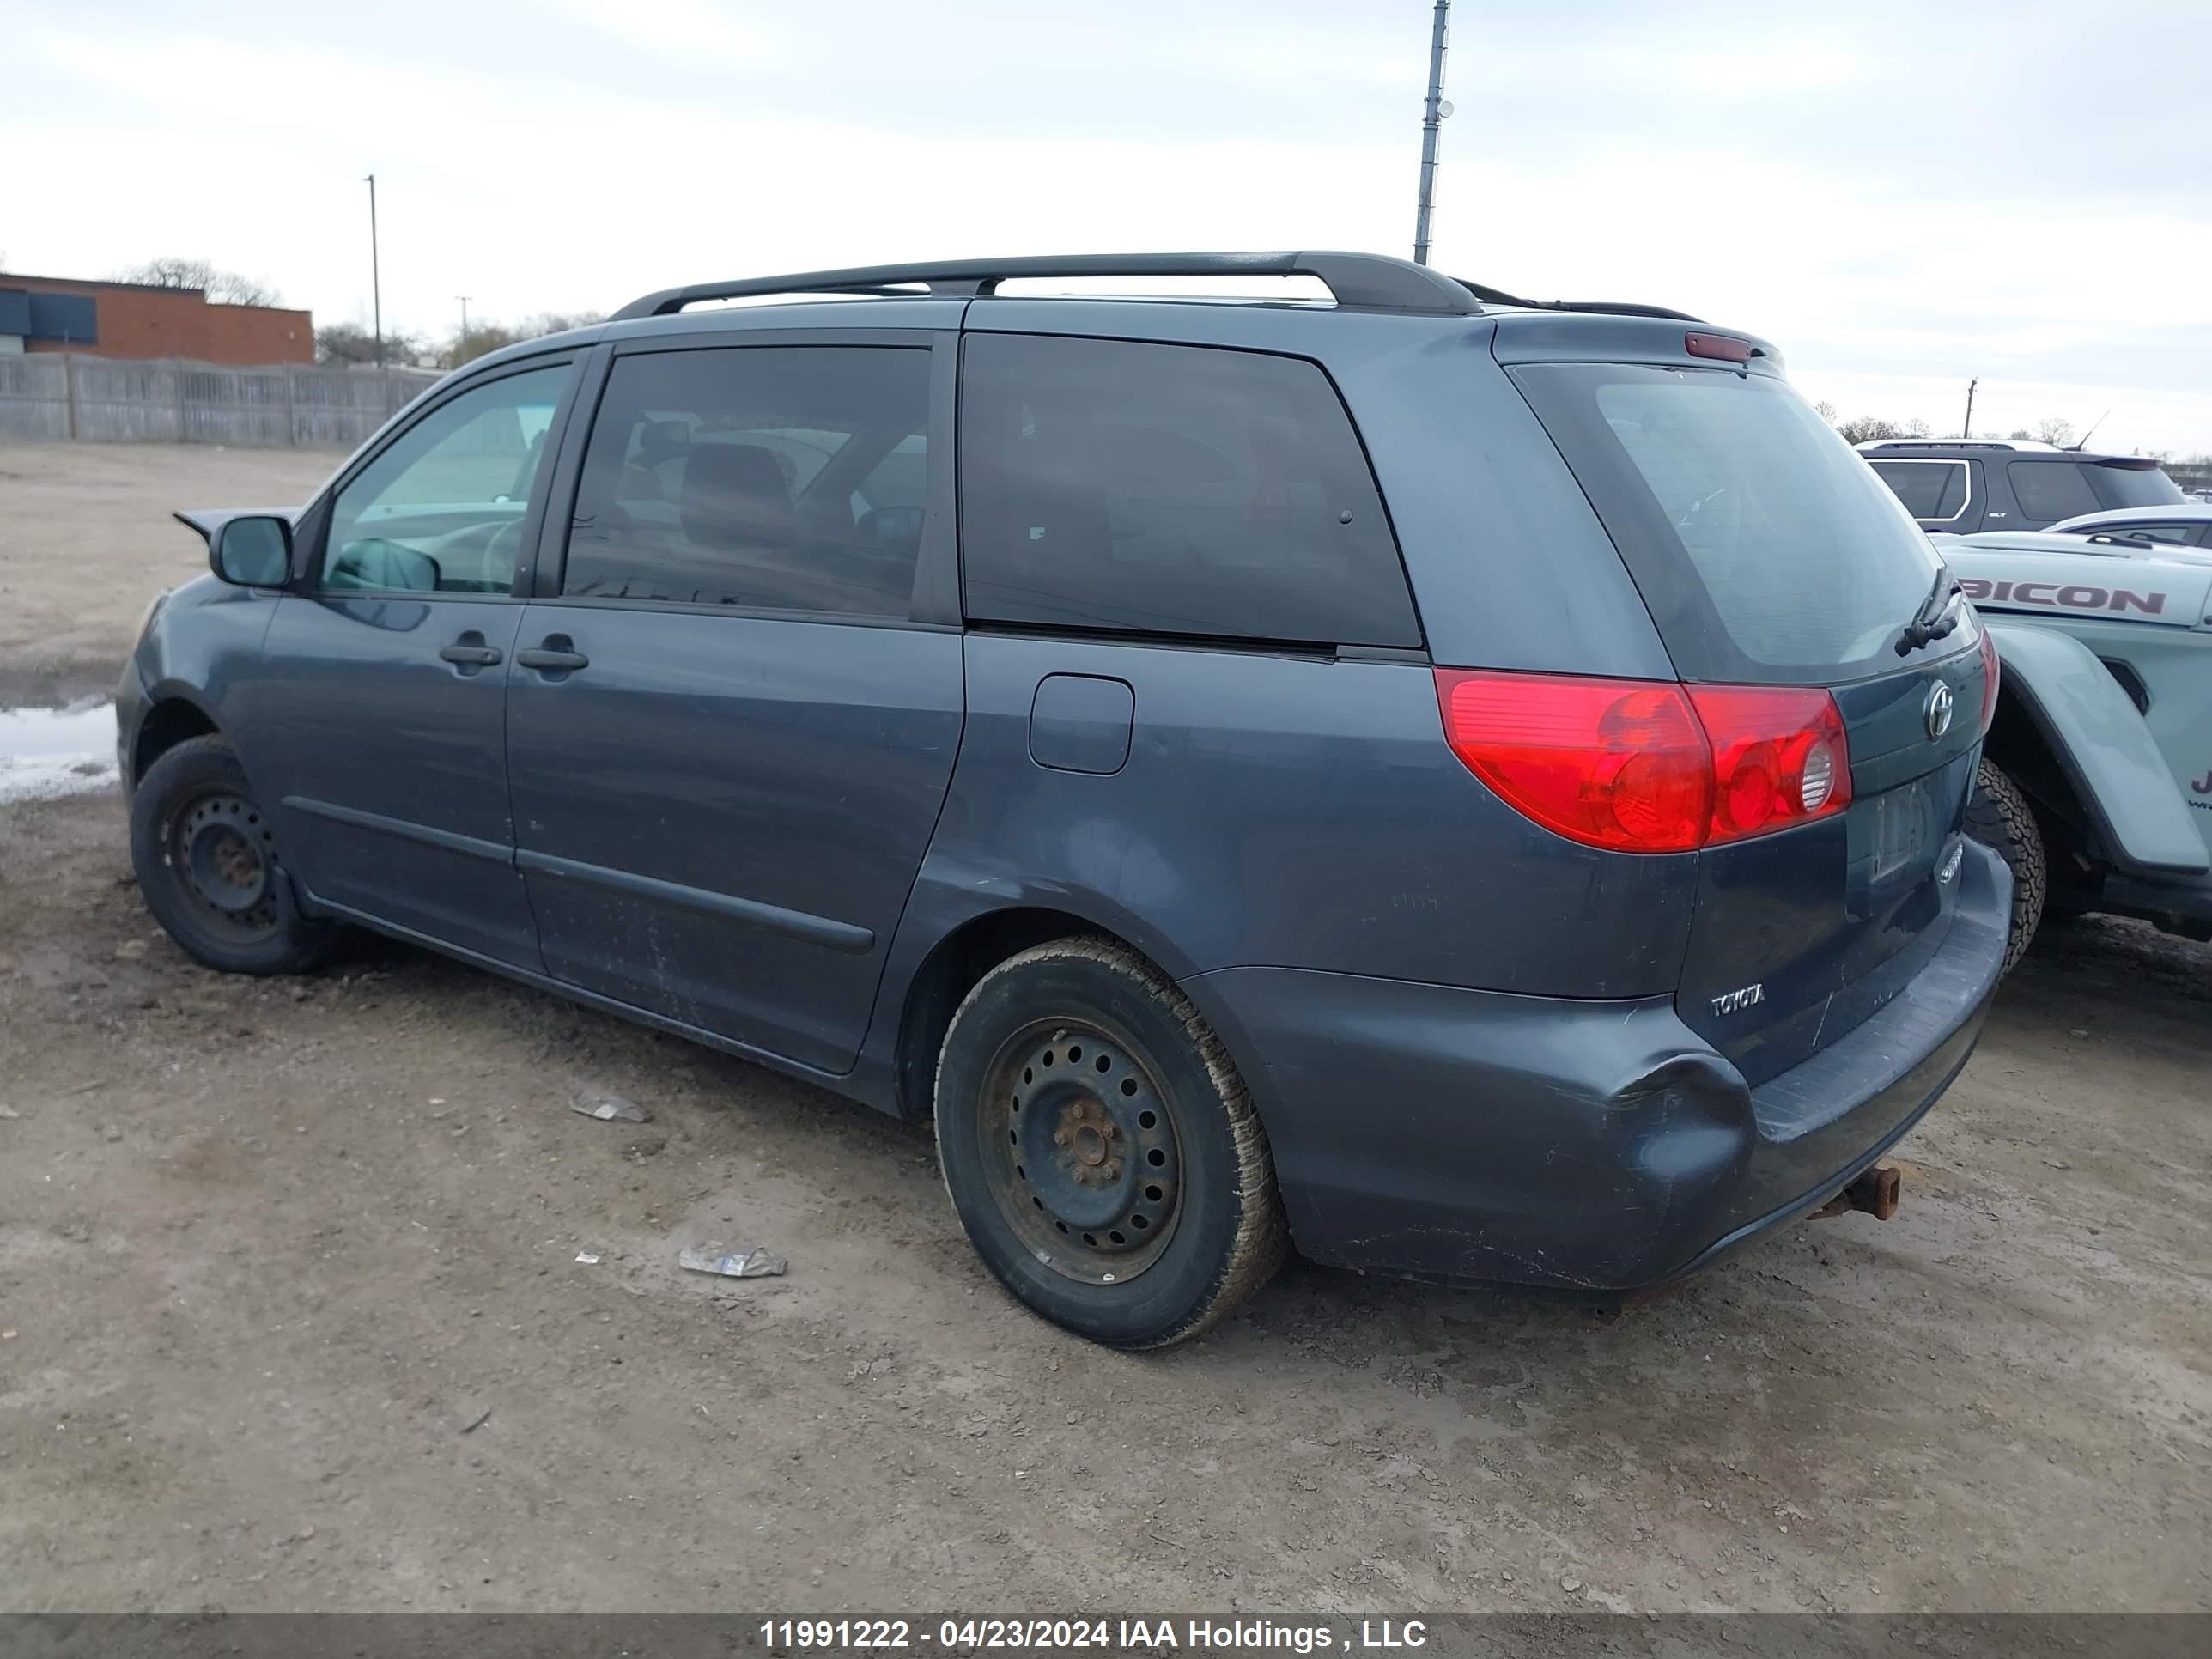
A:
{"points": [[2073, 595]]}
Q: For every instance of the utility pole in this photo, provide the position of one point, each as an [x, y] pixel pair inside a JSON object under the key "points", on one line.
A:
{"points": [[462, 344], [1431, 120], [1967, 430], [376, 274]]}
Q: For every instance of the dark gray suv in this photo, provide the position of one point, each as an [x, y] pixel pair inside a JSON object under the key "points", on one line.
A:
{"points": [[1467, 787], [1957, 486]]}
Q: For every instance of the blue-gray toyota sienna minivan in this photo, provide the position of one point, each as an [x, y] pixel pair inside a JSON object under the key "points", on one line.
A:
{"points": [[1466, 786]]}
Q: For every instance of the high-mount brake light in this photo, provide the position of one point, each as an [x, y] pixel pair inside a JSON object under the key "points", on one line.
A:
{"points": [[1649, 766], [1722, 346]]}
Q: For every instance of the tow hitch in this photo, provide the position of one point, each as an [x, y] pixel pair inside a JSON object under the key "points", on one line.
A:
{"points": [[1874, 1194]]}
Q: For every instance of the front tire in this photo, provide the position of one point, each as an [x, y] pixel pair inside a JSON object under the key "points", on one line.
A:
{"points": [[2000, 817], [1102, 1152], [204, 853]]}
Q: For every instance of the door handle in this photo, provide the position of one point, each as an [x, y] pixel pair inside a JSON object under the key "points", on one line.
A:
{"points": [[553, 656], [472, 656]]}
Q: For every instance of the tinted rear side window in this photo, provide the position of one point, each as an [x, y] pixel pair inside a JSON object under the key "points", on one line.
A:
{"points": [[2119, 485], [1929, 489], [771, 477], [1766, 549], [2050, 490], [1169, 489]]}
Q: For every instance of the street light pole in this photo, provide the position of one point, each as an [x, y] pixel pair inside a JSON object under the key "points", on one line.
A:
{"points": [[376, 274], [462, 344], [1967, 431], [1430, 121]]}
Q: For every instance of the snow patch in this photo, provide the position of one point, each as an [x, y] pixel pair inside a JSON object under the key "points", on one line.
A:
{"points": [[47, 753]]}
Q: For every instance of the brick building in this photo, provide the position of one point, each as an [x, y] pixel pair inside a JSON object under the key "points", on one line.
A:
{"points": [[133, 319]]}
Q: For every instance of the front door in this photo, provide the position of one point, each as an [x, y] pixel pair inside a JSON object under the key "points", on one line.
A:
{"points": [[380, 701], [730, 731]]}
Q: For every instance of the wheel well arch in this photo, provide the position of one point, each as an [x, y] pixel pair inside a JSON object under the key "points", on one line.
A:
{"points": [[169, 722], [2019, 744], [952, 968]]}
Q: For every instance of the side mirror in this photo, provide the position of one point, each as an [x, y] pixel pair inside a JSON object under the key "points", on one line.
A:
{"points": [[253, 550]]}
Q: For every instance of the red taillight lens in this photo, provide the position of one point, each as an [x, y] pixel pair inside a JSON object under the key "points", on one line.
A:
{"points": [[1640, 766], [1779, 756], [1989, 675], [1617, 763]]}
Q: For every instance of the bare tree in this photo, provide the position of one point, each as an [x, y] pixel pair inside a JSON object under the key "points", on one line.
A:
{"points": [[2055, 430], [1825, 411], [345, 345], [1866, 428], [223, 287], [484, 337], [1917, 427]]}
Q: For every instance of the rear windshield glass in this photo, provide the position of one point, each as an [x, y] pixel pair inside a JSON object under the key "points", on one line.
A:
{"points": [[2129, 486], [1766, 551]]}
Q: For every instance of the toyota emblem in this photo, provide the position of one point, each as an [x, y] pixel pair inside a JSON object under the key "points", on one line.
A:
{"points": [[1939, 710]]}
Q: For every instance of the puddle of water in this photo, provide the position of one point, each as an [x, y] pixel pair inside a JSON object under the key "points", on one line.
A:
{"points": [[46, 753]]}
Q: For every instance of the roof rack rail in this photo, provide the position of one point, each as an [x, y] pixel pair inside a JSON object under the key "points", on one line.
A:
{"points": [[1604, 308], [1371, 280], [1873, 444]]}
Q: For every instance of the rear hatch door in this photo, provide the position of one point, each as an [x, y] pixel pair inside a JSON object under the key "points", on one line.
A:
{"points": [[1769, 553]]}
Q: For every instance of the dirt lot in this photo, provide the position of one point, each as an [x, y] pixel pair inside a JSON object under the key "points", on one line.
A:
{"points": [[267, 1250]]}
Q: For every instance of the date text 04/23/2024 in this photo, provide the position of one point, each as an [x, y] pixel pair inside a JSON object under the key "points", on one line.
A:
{"points": [[1073, 1635]]}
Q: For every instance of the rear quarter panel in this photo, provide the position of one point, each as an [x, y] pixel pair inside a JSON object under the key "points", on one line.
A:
{"points": [[1284, 811]]}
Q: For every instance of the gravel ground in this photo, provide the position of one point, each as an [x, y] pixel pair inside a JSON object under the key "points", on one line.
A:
{"points": [[267, 1250]]}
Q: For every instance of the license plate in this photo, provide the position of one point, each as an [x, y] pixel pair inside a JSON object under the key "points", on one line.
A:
{"points": [[1907, 827]]}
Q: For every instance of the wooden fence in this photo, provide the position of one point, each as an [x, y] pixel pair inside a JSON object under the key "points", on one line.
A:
{"points": [[66, 394]]}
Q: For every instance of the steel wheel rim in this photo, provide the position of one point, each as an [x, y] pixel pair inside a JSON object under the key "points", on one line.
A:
{"points": [[1081, 1151], [222, 855]]}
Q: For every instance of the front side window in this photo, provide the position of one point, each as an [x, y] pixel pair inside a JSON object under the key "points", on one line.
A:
{"points": [[1114, 486], [2050, 490], [1929, 489], [440, 509], [770, 477]]}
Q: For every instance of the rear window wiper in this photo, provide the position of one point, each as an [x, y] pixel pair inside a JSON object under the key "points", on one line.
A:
{"points": [[1937, 618]]}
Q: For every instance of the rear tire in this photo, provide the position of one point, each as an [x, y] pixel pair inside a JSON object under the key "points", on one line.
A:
{"points": [[2000, 817], [204, 853], [1102, 1152]]}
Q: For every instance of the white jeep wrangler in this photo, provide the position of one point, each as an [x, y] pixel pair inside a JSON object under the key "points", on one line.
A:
{"points": [[2096, 781]]}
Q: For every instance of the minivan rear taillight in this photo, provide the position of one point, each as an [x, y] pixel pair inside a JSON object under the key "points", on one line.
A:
{"points": [[1649, 766]]}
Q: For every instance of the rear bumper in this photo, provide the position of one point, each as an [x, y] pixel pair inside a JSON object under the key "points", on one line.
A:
{"points": [[1444, 1132]]}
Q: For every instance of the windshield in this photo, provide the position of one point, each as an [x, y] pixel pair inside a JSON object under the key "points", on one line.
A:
{"points": [[1766, 549]]}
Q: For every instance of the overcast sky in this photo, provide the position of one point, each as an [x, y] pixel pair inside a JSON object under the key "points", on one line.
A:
{"points": [[1900, 195]]}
